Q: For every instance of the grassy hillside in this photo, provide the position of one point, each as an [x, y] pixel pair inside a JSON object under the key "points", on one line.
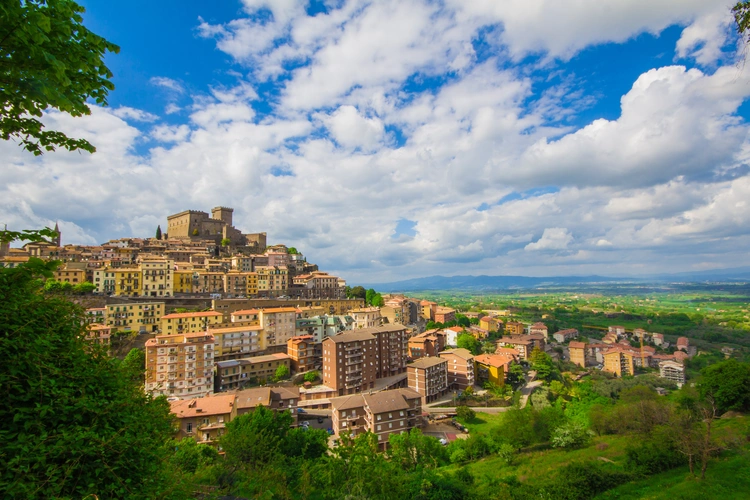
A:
{"points": [[727, 477]]}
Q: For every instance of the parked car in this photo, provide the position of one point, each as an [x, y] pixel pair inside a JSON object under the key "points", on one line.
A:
{"points": [[443, 441], [301, 410]]}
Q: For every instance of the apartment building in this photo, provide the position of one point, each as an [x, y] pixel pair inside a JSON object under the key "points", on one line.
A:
{"points": [[235, 283], [392, 349], [180, 365], [96, 315], [514, 328], [182, 281], [68, 274], [234, 342], [428, 310], [619, 361], [350, 362], [318, 284], [492, 368], [209, 282], [279, 325], [426, 344], [460, 368], [275, 398], [157, 277], [118, 281], [134, 317], [577, 353], [247, 316], [444, 314], [99, 334], [491, 324], [305, 354], [190, 322], [565, 335], [273, 281], [236, 373], [428, 377], [366, 317], [383, 413], [673, 371], [540, 329], [252, 284], [204, 419]]}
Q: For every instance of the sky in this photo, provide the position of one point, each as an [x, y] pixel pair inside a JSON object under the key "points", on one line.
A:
{"points": [[396, 139]]}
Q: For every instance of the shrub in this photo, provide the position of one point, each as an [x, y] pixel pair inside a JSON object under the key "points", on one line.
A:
{"points": [[652, 457], [570, 435], [584, 480], [465, 413]]}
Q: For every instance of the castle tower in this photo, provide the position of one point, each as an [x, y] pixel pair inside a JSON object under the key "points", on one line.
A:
{"points": [[57, 239], [222, 214]]}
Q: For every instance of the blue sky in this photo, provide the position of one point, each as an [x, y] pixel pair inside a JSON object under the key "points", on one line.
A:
{"points": [[390, 140]]}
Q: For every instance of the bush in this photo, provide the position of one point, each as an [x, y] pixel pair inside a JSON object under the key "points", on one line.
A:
{"points": [[653, 457], [311, 376], [584, 480], [465, 414], [570, 435]]}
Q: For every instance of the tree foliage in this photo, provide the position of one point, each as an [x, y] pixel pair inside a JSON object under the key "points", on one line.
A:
{"points": [[728, 384], [282, 372], [72, 426], [469, 342], [158, 232], [48, 59]]}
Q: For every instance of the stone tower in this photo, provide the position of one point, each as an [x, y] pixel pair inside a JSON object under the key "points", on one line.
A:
{"points": [[57, 239], [222, 214]]}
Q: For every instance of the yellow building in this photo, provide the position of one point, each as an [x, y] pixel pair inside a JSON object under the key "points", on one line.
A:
{"points": [[272, 281], [492, 368], [66, 274], [182, 281], [127, 281], [134, 317], [252, 284], [192, 322], [157, 277], [490, 324], [180, 365], [577, 353], [619, 362]]}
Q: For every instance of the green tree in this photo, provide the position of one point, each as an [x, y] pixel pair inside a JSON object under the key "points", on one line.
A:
{"points": [[358, 292], [49, 60], [570, 435], [727, 383], [282, 372], [256, 438], [158, 232], [488, 347], [515, 374], [133, 366], [414, 450], [467, 341], [311, 376], [225, 242], [83, 288], [465, 414], [741, 11], [72, 425], [541, 362], [462, 320], [377, 300], [292, 251]]}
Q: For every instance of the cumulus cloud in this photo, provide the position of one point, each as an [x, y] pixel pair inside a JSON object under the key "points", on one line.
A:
{"points": [[703, 39], [137, 115], [554, 238], [383, 112]]}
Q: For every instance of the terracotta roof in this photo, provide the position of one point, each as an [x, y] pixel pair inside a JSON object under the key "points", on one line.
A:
{"points": [[279, 310], [427, 362], [217, 404], [460, 352], [351, 336], [496, 360], [393, 400], [347, 402], [251, 398], [577, 345]]}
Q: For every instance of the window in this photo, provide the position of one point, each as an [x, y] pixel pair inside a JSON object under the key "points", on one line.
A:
{"points": [[390, 425], [189, 427]]}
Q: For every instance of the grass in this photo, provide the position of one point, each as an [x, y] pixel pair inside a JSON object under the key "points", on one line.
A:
{"points": [[483, 422], [727, 477]]}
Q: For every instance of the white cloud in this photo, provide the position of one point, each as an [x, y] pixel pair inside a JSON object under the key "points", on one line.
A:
{"points": [[137, 115], [169, 133], [702, 40], [168, 83], [553, 238], [352, 130]]}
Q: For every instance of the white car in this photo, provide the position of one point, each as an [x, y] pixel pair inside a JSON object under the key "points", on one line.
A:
{"points": [[443, 441]]}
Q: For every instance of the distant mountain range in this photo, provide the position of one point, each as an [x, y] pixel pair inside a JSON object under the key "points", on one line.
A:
{"points": [[480, 283]]}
